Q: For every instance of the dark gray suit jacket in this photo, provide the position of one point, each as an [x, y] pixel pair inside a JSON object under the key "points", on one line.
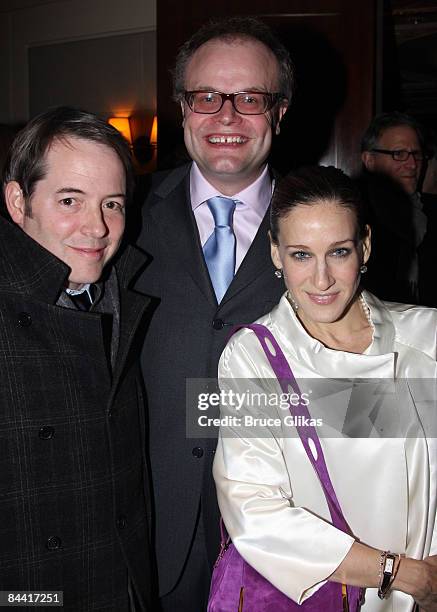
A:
{"points": [[187, 334], [73, 500]]}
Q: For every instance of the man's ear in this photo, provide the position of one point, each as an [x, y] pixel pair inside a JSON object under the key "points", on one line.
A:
{"points": [[281, 112], [368, 160], [15, 202], [183, 112]]}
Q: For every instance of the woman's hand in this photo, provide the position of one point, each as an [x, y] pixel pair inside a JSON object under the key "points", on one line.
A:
{"points": [[427, 598], [419, 579]]}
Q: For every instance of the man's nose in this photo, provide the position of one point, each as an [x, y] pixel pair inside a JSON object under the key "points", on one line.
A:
{"points": [[93, 223], [411, 161], [227, 113]]}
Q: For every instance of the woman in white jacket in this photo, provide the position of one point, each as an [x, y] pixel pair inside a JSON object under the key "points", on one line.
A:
{"points": [[329, 328]]}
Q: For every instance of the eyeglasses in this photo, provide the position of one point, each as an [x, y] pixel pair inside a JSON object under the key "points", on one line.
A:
{"points": [[244, 102], [401, 155]]}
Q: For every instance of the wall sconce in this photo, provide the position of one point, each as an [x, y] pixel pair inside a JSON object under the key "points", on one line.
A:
{"points": [[122, 124], [154, 133], [141, 132]]}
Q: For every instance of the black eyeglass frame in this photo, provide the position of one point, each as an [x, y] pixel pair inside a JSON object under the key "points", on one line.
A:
{"points": [[421, 155], [273, 98]]}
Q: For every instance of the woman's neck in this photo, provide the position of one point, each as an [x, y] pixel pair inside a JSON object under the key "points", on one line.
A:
{"points": [[352, 333]]}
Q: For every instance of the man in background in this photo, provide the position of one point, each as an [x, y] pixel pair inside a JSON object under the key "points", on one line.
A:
{"points": [[205, 226], [72, 454], [392, 151]]}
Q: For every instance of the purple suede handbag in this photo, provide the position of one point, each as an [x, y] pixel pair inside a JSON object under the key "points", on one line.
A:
{"points": [[235, 585]]}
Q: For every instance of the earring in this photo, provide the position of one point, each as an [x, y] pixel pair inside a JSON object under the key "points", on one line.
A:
{"points": [[363, 269], [294, 304], [278, 273]]}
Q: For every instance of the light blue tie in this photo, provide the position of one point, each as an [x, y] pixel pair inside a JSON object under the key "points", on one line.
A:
{"points": [[219, 249]]}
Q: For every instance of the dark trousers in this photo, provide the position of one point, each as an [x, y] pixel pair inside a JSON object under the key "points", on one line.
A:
{"points": [[191, 592]]}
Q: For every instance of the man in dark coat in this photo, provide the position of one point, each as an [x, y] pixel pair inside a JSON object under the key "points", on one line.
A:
{"points": [[392, 151], [73, 486], [233, 81]]}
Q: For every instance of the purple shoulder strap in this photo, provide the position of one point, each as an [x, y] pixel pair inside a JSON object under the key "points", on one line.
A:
{"points": [[286, 380]]}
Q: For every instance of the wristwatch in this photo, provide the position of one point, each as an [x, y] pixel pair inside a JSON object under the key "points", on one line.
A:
{"points": [[387, 571]]}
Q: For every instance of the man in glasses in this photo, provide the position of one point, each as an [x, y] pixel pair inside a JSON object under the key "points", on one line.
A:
{"points": [[393, 145], [392, 151], [205, 225]]}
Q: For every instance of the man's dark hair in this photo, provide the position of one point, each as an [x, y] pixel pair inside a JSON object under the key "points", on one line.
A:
{"points": [[383, 122], [26, 160], [229, 29], [312, 185]]}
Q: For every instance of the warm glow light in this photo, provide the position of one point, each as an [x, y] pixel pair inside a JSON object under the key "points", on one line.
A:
{"points": [[154, 132], [123, 126]]}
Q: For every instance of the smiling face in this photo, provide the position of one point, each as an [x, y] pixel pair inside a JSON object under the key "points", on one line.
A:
{"points": [[77, 209], [231, 149], [320, 256], [405, 173]]}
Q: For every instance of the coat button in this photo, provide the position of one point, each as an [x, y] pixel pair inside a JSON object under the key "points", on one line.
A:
{"points": [[24, 319], [46, 432], [121, 521], [197, 452], [53, 543], [218, 324]]}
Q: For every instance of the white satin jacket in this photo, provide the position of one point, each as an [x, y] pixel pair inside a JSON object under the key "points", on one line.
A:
{"points": [[269, 495]]}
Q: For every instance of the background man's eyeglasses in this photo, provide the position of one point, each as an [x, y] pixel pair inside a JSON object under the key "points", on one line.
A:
{"points": [[244, 102], [401, 154]]}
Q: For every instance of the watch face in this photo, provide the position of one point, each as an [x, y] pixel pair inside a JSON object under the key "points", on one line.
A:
{"points": [[389, 562]]}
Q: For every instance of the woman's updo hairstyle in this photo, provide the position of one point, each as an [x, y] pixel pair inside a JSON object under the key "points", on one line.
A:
{"points": [[311, 185]]}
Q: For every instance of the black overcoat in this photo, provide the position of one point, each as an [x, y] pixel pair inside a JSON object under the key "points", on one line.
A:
{"points": [[72, 487]]}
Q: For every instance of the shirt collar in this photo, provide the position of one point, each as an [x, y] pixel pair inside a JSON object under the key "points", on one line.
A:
{"points": [[98, 288], [78, 291], [256, 196], [416, 200]]}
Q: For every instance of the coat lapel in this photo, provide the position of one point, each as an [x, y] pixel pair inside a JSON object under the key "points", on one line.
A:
{"points": [[175, 220], [133, 305], [39, 274], [257, 259]]}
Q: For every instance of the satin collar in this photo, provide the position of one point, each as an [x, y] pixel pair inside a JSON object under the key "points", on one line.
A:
{"points": [[378, 362]]}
